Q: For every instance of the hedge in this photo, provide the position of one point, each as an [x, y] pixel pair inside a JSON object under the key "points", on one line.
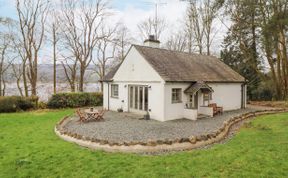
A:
{"points": [[17, 103], [74, 100]]}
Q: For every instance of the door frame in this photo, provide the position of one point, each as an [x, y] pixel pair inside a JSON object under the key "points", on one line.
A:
{"points": [[138, 110], [195, 100]]}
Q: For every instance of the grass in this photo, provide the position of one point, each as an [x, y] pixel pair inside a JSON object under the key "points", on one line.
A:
{"points": [[29, 148]]}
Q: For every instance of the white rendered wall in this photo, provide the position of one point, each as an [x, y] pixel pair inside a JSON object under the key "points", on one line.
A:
{"points": [[205, 110], [135, 70], [105, 95], [190, 114], [174, 110], [155, 98], [227, 95]]}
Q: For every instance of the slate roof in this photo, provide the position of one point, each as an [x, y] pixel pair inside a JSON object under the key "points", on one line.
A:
{"points": [[174, 66], [194, 87], [111, 73]]}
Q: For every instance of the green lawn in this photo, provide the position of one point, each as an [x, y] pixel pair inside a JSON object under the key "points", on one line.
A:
{"points": [[29, 148]]}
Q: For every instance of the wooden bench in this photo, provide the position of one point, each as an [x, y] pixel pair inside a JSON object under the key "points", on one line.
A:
{"points": [[216, 109]]}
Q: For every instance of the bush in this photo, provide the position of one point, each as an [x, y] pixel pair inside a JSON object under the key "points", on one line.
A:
{"points": [[74, 100], [17, 103], [42, 105]]}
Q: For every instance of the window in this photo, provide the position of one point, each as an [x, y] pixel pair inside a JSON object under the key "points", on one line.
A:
{"points": [[176, 95], [114, 91], [207, 96]]}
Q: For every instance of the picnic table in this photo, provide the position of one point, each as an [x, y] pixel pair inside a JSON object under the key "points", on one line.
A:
{"points": [[91, 113]]}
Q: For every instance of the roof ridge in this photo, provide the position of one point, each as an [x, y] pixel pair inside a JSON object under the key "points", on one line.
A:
{"points": [[174, 66], [181, 52]]}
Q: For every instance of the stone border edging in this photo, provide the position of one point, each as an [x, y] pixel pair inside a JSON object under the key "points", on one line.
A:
{"points": [[159, 145]]}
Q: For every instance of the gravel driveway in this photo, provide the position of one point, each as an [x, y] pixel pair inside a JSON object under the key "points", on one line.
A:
{"points": [[120, 127]]}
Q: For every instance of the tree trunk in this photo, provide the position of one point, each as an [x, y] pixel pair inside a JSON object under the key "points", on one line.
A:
{"points": [[208, 45], [1, 70], [72, 87], [4, 87], [279, 73], [81, 80], [1, 81], [102, 77], [19, 87], [25, 79], [254, 47], [282, 43], [54, 60], [34, 77]]}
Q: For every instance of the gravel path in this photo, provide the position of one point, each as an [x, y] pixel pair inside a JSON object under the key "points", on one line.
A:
{"points": [[127, 127]]}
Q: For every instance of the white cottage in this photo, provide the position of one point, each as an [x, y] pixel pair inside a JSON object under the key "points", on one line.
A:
{"points": [[172, 85]]}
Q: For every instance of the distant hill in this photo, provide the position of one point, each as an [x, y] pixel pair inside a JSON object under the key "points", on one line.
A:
{"points": [[45, 73]]}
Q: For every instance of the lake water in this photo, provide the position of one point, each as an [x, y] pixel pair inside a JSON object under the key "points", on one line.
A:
{"points": [[45, 90]]}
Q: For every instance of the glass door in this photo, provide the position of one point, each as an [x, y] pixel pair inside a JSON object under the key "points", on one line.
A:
{"points": [[138, 98]]}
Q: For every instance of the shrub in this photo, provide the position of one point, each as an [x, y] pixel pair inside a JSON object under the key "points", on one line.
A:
{"points": [[42, 105], [17, 103], [74, 100]]}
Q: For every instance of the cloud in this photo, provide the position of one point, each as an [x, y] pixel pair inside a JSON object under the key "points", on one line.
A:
{"points": [[132, 12], [173, 11]]}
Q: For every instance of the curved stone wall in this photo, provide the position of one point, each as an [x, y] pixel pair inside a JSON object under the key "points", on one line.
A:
{"points": [[186, 143]]}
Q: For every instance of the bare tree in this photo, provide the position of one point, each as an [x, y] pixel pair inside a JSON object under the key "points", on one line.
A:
{"points": [[151, 26], [4, 62], [54, 30], [22, 55], [6, 57], [17, 73], [81, 22], [199, 23], [123, 41], [177, 42], [106, 52], [32, 18], [194, 26], [70, 69], [210, 10]]}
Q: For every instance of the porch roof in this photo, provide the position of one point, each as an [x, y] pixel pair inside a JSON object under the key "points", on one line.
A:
{"points": [[194, 87]]}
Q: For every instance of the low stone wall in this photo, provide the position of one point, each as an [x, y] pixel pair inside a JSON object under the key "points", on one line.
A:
{"points": [[187, 143]]}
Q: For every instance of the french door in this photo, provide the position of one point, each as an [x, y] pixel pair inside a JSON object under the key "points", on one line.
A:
{"points": [[138, 97]]}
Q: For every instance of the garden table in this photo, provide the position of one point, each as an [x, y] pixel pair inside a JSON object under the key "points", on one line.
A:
{"points": [[91, 113]]}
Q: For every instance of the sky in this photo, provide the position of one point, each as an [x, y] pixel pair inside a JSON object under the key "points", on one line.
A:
{"points": [[132, 12]]}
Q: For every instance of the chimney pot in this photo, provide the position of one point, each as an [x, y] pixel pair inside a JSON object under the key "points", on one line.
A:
{"points": [[152, 42]]}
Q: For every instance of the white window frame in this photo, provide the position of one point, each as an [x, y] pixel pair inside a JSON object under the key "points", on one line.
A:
{"points": [[207, 98], [176, 95], [114, 90]]}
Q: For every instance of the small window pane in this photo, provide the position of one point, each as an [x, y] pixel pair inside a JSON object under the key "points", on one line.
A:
{"points": [[131, 97], [140, 98], [146, 98], [176, 95], [136, 97], [114, 90]]}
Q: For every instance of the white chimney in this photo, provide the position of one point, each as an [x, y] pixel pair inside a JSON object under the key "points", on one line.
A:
{"points": [[152, 42]]}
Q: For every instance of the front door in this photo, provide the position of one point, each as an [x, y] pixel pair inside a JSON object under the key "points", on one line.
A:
{"points": [[138, 98], [193, 101]]}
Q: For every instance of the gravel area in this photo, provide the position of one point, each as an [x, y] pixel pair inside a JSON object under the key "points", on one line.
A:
{"points": [[127, 127]]}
